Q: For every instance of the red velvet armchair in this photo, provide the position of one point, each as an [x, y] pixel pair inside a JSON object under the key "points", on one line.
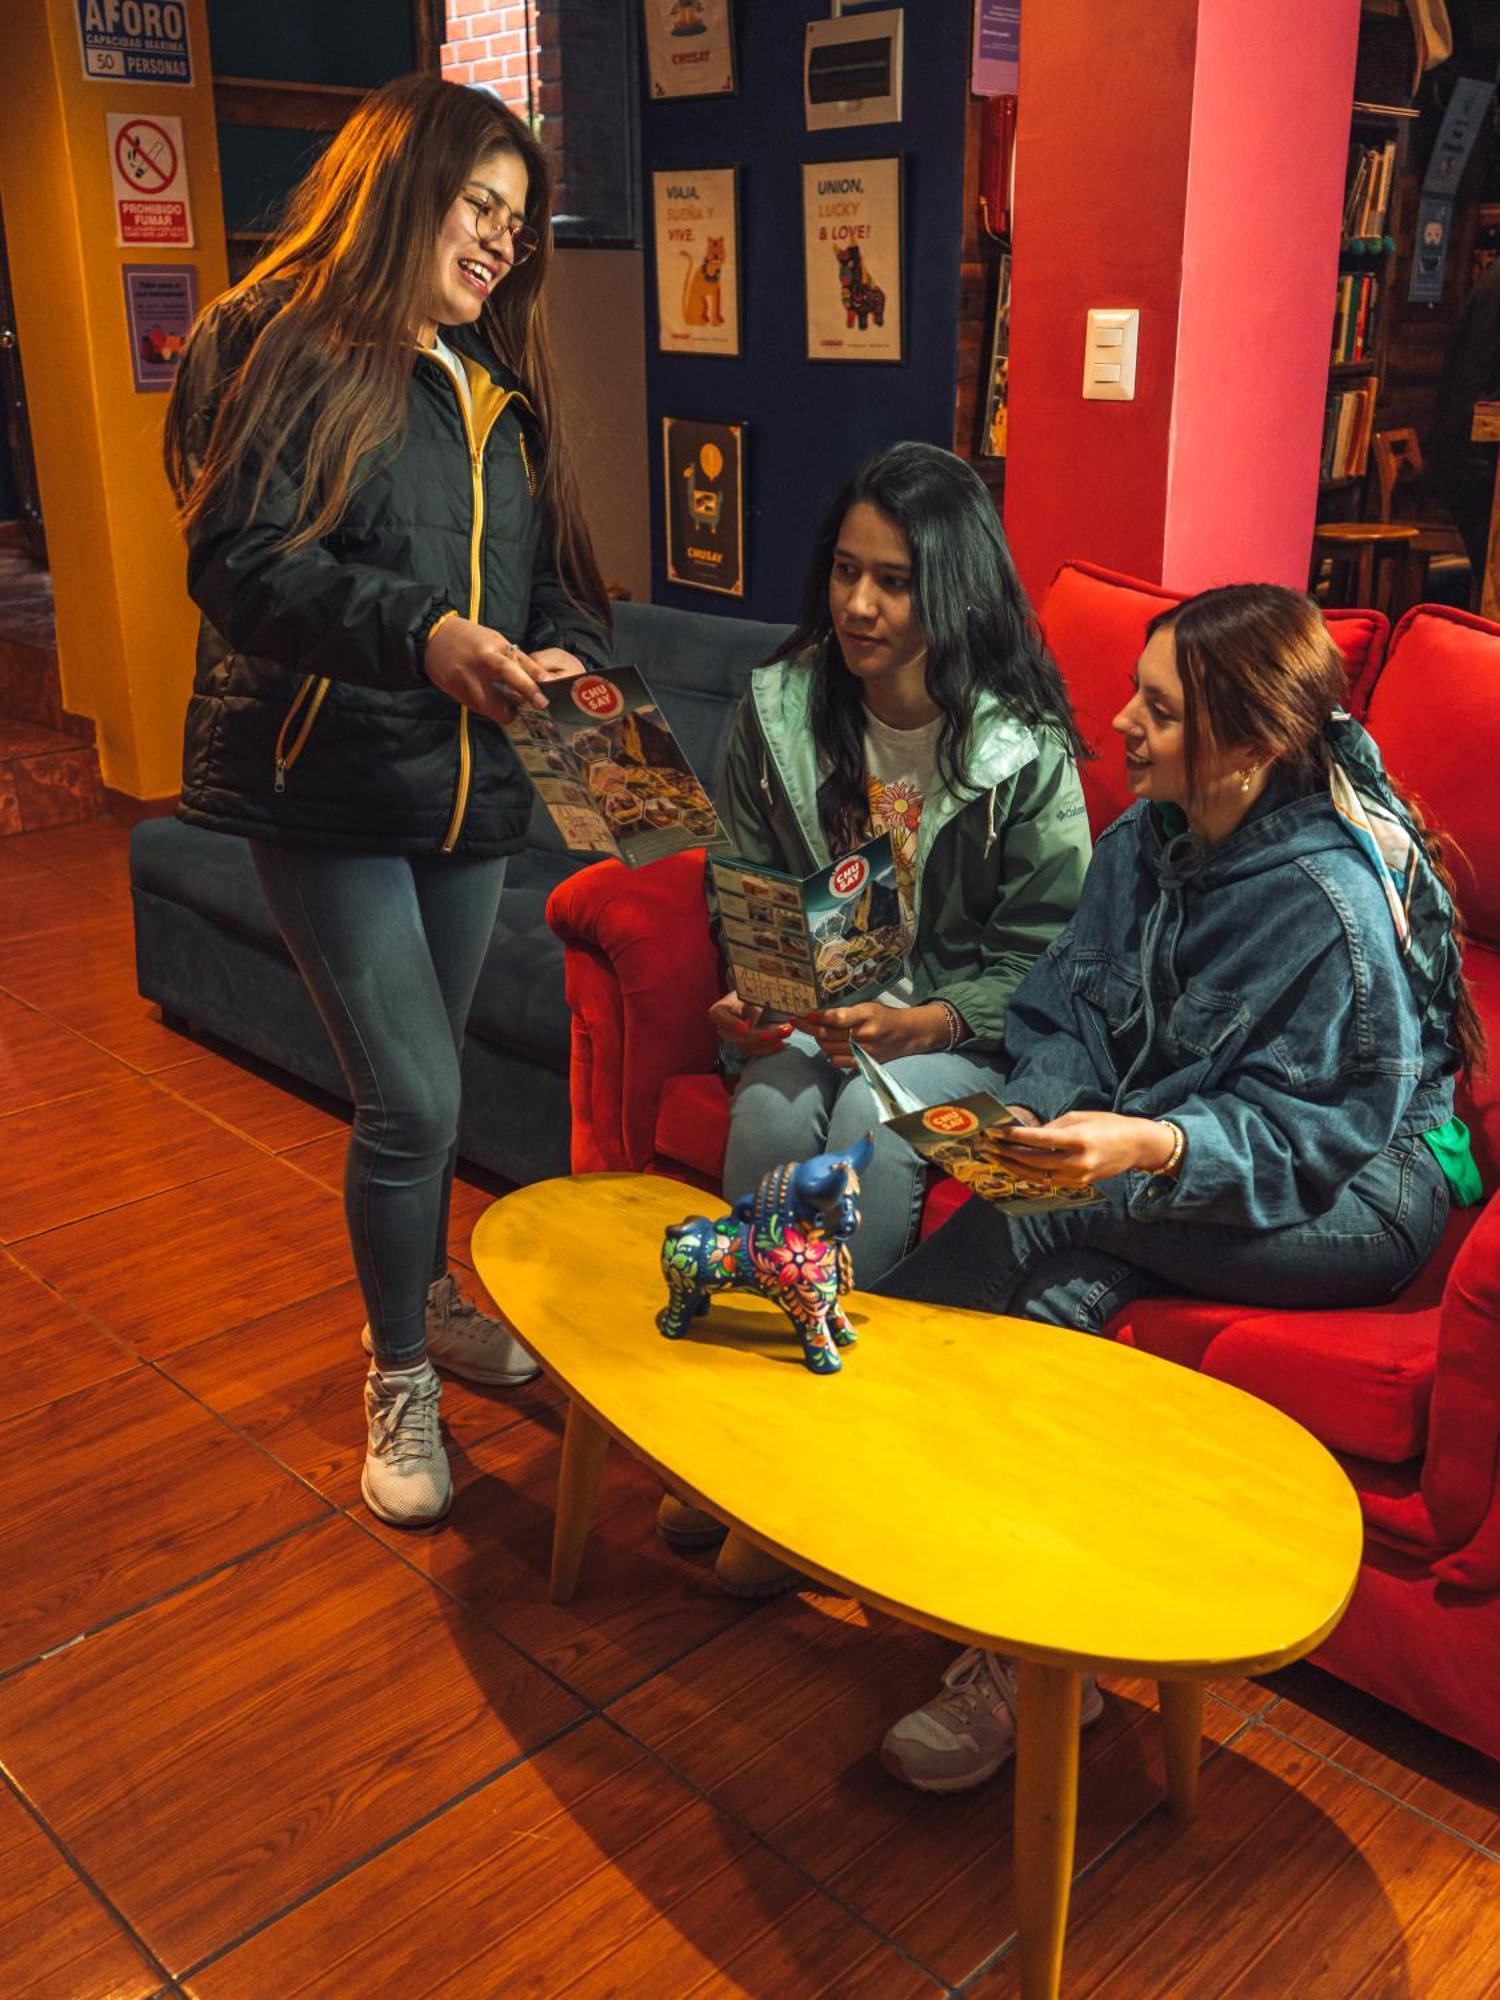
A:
{"points": [[1408, 1393]]}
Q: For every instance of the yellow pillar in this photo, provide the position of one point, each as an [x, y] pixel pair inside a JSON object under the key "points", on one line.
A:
{"points": [[125, 627]]}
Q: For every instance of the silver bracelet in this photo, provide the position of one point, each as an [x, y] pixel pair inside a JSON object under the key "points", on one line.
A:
{"points": [[956, 1026]]}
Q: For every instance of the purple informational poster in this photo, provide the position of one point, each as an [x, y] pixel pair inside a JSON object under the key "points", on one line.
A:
{"points": [[161, 303], [997, 48]]}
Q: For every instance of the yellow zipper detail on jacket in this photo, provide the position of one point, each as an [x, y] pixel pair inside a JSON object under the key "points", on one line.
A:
{"points": [[489, 404], [286, 757]]}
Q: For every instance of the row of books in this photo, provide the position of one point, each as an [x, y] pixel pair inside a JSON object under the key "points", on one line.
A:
{"points": [[1367, 194], [1356, 303], [1348, 420]]}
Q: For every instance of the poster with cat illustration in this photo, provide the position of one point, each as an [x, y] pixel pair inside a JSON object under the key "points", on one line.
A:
{"points": [[697, 260], [851, 234]]}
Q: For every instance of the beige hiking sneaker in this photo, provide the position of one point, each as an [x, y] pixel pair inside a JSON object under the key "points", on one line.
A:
{"points": [[468, 1342], [968, 1730], [406, 1481]]}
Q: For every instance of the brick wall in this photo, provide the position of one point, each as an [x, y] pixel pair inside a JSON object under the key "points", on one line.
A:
{"points": [[493, 41]]}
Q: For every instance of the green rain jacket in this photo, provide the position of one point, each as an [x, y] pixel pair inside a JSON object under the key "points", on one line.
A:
{"points": [[999, 867]]}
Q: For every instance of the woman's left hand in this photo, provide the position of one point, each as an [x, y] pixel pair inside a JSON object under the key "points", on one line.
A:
{"points": [[557, 664], [1082, 1147], [886, 1032]]}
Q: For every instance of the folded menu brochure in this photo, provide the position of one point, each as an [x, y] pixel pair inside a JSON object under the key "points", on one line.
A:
{"points": [[959, 1137], [609, 770], [824, 940]]}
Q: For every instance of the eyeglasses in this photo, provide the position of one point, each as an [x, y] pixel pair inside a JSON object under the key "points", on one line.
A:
{"points": [[494, 216]]}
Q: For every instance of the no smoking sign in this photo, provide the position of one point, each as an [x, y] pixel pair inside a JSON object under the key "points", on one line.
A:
{"points": [[148, 169]]}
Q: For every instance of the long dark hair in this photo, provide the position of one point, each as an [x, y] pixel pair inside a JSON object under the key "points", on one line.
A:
{"points": [[1260, 669], [346, 279], [981, 635]]}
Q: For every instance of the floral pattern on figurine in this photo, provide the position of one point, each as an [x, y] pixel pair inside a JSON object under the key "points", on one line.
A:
{"points": [[789, 1241]]}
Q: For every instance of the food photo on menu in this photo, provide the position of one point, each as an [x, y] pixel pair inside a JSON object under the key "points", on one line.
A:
{"points": [[609, 770], [827, 939]]}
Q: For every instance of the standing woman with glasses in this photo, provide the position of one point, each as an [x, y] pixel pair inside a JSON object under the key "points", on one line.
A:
{"points": [[385, 541]]}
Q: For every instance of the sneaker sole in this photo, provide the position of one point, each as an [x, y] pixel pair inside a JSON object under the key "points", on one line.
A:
{"points": [[396, 1520], [754, 1593], [972, 1780], [691, 1538]]}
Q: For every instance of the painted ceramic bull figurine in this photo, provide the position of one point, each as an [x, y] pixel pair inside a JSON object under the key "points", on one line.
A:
{"points": [[789, 1241]]}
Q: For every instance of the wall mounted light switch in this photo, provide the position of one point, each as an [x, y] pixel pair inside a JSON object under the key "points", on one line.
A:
{"points": [[1109, 354]]}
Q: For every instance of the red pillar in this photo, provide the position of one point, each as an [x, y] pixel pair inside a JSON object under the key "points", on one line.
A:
{"points": [[1185, 157]]}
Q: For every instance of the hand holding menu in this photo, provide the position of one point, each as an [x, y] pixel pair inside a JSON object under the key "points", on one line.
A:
{"points": [[824, 940], [958, 1136], [609, 770]]}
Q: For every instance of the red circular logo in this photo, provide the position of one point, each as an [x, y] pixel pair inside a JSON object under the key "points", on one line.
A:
{"points": [[850, 876], [596, 697], [951, 1120]]}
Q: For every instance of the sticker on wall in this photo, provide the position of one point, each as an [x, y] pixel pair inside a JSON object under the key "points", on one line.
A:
{"points": [[704, 467], [689, 47], [135, 41], [851, 231], [149, 170], [697, 261], [161, 303]]}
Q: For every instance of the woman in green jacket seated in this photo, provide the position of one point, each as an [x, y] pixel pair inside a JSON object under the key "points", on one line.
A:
{"points": [[916, 699]]}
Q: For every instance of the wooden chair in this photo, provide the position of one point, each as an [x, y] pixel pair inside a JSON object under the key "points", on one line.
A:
{"points": [[1363, 557], [1396, 458]]}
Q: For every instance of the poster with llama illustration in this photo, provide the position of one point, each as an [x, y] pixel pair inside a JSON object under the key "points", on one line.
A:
{"points": [[851, 232], [697, 260]]}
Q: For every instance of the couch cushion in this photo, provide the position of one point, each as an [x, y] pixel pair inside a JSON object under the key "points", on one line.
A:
{"points": [[692, 1124], [697, 665], [208, 873], [1095, 621], [518, 1003]]}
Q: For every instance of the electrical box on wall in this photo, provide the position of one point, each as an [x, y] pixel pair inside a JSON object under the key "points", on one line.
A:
{"points": [[851, 70], [1109, 355]]}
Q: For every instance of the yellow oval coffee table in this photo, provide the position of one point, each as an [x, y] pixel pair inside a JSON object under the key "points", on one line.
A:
{"points": [[1068, 1501]]}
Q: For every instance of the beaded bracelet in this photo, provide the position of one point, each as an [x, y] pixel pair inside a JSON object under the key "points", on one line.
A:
{"points": [[1174, 1159], [957, 1026]]}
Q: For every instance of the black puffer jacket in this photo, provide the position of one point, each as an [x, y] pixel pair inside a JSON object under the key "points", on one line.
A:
{"points": [[311, 720]]}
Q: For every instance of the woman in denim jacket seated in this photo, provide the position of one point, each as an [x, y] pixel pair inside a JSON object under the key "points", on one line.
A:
{"points": [[1245, 1041]]}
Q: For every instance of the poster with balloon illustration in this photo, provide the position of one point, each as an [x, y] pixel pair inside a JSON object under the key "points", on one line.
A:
{"points": [[851, 232], [704, 465]]}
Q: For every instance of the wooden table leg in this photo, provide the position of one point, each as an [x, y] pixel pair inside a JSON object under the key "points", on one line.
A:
{"points": [[1182, 1741], [1046, 1814], [584, 1446]]}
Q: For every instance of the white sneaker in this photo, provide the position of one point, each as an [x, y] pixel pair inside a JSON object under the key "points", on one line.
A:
{"points": [[406, 1480], [469, 1342], [968, 1730]]}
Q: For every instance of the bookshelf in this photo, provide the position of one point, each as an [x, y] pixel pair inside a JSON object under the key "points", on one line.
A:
{"points": [[1365, 300]]}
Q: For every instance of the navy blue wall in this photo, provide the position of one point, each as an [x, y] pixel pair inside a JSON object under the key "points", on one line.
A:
{"points": [[809, 422]]}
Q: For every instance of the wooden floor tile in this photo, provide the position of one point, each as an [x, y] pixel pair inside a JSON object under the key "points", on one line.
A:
{"points": [[586, 1871], [118, 1143], [294, 1382], [780, 1721], [171, 1270], [1293, 1879], [84, 977], [57, 1940], [638, 1604], [51, 1349], [38, 902], [1448, 1780], [97, 851], [138, 1490], [252, 1737], [259, 1102], [40, 1061]]}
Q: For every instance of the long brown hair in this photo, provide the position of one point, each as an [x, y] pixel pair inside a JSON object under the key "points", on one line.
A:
{"points": [[346, 278], [1260, 671]]}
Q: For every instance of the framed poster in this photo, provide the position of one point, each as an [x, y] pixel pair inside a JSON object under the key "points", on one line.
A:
{"points": [[689, 47], [697, 260], [704, 467], [161, 303], [992, 438], [851, 235]]}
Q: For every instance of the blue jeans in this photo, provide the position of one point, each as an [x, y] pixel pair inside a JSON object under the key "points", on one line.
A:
{"points": [[391, 948], [795, 1103], [1076, 1267]]}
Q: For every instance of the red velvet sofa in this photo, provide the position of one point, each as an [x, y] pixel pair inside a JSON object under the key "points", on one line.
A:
{"points": [[1407, 1394]]}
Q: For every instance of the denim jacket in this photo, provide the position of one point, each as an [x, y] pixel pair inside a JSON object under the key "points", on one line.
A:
{"points": [[1254, 992]]}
